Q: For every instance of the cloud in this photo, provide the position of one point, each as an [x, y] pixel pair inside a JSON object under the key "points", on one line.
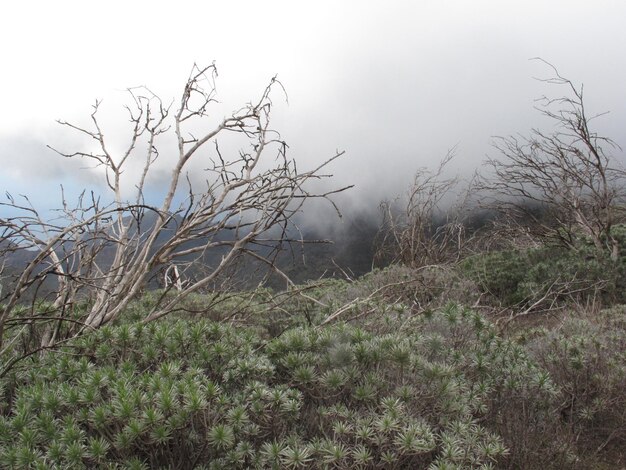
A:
{"points": [[394, 84]]}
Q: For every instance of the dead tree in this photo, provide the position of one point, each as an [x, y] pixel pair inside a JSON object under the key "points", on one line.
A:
{"points": [[418, 230], [172, 278], [103, 250], [567, 182]]}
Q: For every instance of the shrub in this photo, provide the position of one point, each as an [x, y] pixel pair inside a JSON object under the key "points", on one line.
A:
{"points": [[521, 277], [445, 391], [499, 274], [205, 393], [586, 358]]}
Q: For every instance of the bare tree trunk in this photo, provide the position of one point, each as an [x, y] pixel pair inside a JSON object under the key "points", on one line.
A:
{"points": [[105, 254], [567, 173]]}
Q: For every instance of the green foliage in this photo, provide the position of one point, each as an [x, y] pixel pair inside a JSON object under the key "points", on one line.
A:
{"points": [[144, 396], [520, 277], [586, 358], [499, 274], [394, 389]]}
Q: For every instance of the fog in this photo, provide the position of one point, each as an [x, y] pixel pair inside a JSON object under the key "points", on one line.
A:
{"points": [[394, 84]]}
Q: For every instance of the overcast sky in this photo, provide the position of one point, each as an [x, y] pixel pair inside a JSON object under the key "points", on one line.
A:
{"points": [[395, 84]]}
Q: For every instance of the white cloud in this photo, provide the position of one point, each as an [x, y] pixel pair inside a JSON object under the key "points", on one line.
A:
{"points": [[394, 83]]}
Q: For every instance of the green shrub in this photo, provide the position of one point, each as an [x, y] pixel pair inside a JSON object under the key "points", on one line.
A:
{"points": [[444, 391], [586, 358], [519, 278], [499, 274], [204, 393]]}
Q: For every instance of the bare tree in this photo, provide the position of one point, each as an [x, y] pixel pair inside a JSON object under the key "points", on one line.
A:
{"points": [[422, 231], [104, 250], [566, 182]]}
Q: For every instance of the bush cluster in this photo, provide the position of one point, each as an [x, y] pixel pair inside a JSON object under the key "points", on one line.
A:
{"points": [[400, 387], [586, 359], [181, 394], [520, 277]]}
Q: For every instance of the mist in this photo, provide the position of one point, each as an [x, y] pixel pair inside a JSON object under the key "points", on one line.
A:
{"points": [[395, 86]]}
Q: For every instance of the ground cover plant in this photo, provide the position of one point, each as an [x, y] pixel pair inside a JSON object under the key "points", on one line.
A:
{"points": [[550, 275], [391, 389], [467, 349], [180, 394]]}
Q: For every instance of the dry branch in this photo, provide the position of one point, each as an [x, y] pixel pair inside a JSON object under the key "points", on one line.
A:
{"points": [[565, 183], [429, 228], [104, 254]]}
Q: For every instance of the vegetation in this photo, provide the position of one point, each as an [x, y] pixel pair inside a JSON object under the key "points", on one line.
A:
{"points": [[394, 388], [471, 349], [571, 174], [551, 275], [108, 248]]}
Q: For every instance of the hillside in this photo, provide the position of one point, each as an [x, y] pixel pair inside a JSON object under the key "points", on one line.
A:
{"points": [[383, 372]]}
